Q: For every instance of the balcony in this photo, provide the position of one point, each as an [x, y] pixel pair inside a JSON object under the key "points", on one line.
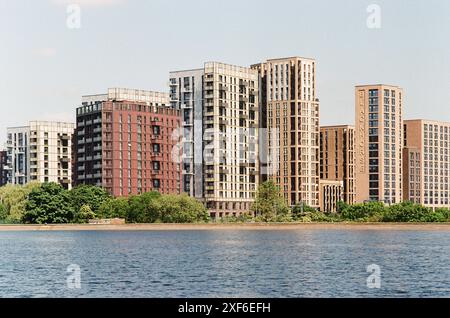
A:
{"points": [[97, 139], [64, 159], [187, 105], [223, 121]]}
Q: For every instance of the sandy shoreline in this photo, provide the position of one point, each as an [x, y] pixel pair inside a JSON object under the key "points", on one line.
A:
{"points": [[233, 227]]}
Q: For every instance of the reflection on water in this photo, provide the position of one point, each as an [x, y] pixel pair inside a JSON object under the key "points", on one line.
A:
{"points": [[315, 263]]}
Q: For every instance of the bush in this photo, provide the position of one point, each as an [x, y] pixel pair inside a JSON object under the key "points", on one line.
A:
{"points": [[363, 212]]}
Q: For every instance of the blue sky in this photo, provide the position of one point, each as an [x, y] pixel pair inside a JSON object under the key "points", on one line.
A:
{"points": [[45, 67]]}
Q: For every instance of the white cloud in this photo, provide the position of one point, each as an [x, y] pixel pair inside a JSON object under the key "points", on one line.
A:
{"points": [[89, 3], [46, 52]]}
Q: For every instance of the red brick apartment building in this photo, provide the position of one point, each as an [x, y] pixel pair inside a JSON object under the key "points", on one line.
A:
{"points": [[125, 142]]}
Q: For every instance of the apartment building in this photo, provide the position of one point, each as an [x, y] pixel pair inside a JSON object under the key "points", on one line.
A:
{"points": [[330, 193], [219, 105], [126, 142], [186, 94], [40, 152], [337, 158], [379, 143], [426, 163], [3, 167], [291, 108]]}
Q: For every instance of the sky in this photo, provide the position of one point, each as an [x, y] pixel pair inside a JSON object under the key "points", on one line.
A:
{"points": [[46, 65]]}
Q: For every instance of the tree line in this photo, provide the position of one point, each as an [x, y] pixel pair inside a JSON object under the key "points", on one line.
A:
{"points": [[269, 206], [50, 203]]}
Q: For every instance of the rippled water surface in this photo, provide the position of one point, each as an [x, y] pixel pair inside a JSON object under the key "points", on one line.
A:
{"points": [[290, 263]]}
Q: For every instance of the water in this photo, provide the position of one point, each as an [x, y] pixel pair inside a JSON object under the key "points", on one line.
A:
{"points": [[290, 263]]}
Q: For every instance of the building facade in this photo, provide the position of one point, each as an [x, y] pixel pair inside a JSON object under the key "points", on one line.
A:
{"points": [[337, 158], [126, 142], [379, 143], [186, 94], [291, 108], [3, 167], [427, 165], [219, 105], [331, 192], [40, 152]]}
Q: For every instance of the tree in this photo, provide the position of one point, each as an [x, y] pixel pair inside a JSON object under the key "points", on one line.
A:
{"points": [[269, 204], [144, 208], [84, 214], [49, 204], [181, 209], [114, 208], [92, 196], [3, 213], [410, 212], [302, 210], [370, 211], [13, 198]]}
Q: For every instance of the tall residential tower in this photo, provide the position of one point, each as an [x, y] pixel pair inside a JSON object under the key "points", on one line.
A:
{"points": [[219, 105], [379, 143], [291, 105]]}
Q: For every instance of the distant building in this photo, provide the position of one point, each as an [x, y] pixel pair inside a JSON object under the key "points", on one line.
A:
{"points": [[126, 142], [40, 152], [379, 143], [3, 167], [220, 118], [290, 108], [426, 160], [337, 158], [330, 193]]}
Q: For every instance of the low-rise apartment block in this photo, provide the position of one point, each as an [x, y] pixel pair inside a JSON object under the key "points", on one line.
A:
{"points": [[337, 158]]}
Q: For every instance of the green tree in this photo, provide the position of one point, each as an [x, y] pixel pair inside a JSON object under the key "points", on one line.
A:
{"points": [[14, 198], [410, 212], [48, 204], [92, 196], [299, 211], [114, 208], [370, 211], [144, 208], [181, 209], [269, 205], [84, 214]]}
